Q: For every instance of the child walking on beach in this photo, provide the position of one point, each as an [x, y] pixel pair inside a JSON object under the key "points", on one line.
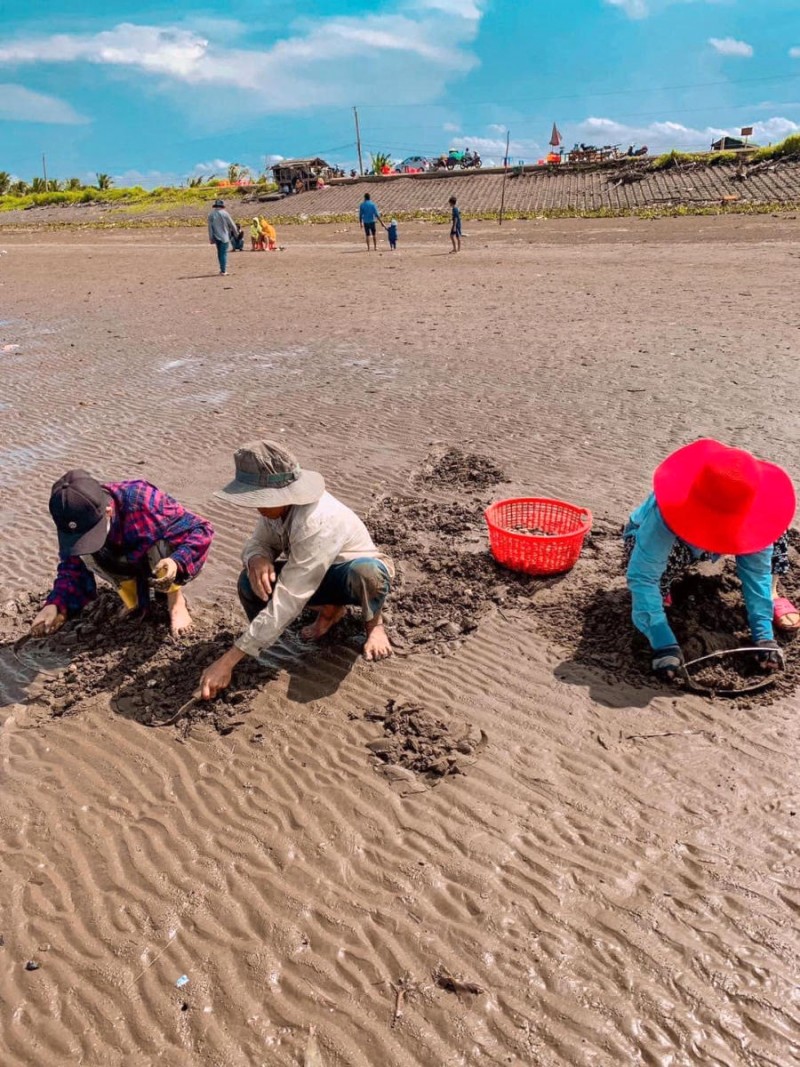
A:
{"points": [[391, 233], [455, 228]]}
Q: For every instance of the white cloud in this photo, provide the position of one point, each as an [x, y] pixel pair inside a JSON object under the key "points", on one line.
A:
{"points": [[794, 53], [466, 9], [451, 127], [640, 9], [18, 104], [729, 46], [148, 179], [403, 54], [663, 136], [635, 9], [213, 166]]}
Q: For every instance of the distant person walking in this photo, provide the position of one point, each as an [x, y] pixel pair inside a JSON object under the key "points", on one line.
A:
{"points": [[221, 231], [368, 216], [455, 226]]}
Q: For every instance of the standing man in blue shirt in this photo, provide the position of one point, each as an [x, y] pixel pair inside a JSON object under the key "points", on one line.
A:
{"points": [[222, 231], [709, 501], [368, 216], [455, 225]]}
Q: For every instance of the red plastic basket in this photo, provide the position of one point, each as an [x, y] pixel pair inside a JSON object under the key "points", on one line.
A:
{"points": [[566, 525]]}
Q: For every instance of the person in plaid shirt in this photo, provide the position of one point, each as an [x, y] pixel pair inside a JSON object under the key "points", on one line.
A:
{"points": [[129, 533]]}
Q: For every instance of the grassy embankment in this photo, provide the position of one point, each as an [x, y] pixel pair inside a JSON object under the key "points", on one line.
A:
{"points": [[136, 201], [134, 196]]}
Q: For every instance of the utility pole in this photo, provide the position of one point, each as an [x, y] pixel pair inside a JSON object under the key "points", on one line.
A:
{"points": [[44, 171], [358, 143], [505, 175]]}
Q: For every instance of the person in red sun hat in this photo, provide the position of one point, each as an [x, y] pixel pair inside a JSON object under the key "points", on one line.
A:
{"points": [[709, 501]]}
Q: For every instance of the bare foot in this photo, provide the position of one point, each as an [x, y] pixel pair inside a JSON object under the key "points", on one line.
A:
{"points": [[327, 617], [377, 646], [180, 621]]}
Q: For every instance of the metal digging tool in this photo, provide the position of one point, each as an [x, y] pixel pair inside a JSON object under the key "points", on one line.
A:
{"points": [[181, 713], [20, 644], [707, 690]]}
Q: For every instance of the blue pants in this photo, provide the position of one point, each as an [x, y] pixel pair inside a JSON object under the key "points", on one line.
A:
{"points": [[222, 255], [363, 583]]}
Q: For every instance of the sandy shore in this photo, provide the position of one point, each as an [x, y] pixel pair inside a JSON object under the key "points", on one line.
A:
{"points": [[617, 871]]}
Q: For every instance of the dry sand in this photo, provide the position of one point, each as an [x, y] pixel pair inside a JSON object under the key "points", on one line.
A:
{"points": [[616, 869]]}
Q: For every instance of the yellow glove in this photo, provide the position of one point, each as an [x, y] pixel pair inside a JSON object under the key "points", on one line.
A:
{"points": [[164, 575]]}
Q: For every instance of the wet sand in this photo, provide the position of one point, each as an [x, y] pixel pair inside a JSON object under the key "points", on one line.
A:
{"points": [[617, 870]]}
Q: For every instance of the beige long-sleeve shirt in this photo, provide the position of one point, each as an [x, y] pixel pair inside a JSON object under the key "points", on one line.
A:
{"points": [[313, 537]]}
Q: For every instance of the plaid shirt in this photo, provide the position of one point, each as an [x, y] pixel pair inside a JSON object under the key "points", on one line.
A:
{"points": [[141, 516]]}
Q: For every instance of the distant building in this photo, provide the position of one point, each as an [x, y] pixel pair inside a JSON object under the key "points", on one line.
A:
{"points": [[731, 144], [301, 175]]}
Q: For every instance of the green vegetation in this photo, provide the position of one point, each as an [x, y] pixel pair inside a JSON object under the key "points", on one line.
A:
{"points": [[707, 159], [379, 160], [443, 218], [787, 149], [671, 159], [19, 195]]}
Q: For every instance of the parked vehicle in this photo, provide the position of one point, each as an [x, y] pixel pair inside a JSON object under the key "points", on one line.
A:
{"points": [[414, 165], [457, 159]]}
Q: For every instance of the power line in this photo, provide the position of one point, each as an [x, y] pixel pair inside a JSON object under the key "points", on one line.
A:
{"points": [[590, 92]]}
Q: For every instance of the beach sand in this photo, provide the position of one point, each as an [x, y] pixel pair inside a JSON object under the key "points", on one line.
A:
{"points": [[616, 867]]}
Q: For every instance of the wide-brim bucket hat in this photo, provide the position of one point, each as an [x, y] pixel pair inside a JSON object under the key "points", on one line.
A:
{"points": [[269, 476], [724, 500]]}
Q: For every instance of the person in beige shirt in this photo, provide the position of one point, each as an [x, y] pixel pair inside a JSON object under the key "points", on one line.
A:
{"points": [[330, 560]]}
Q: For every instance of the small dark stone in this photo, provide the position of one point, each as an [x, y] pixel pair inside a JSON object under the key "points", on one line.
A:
{"points": [[32, 965]]}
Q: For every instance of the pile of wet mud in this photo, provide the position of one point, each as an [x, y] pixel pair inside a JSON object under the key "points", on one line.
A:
{"points": [[418, 745], [148, 675], [588, 612], [447, 580], [453, 467]]}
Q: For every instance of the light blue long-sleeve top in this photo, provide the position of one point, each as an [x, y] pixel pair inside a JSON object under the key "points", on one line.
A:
{"points": [[221, 226], [654, 542]]}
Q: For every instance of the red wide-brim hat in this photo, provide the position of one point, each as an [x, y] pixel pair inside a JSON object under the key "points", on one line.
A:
{"points": [[724, 500]]}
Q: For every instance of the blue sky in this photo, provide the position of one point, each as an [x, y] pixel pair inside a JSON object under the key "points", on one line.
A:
{"points": [[148, 96]]}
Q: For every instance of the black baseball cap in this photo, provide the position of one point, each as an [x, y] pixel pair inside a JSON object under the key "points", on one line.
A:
{"points": [[78, 505]]}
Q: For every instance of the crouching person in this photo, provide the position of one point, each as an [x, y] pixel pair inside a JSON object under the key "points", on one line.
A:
{"points": [[131, 535], [329, 560]]}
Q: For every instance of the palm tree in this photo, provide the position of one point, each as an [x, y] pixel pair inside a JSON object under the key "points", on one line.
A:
{"points": [[5, 182], [38, 185], [237, 173], [379, 160], [19, 188], [74, 184], [104, 181]]}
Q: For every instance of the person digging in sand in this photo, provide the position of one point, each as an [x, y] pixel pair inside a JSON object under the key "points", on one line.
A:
{"points": [[132, 535], [330, 560], [709, 501]]}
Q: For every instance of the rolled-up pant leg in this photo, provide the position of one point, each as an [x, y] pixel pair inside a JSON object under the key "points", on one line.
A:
{"points": [[362, 583]]}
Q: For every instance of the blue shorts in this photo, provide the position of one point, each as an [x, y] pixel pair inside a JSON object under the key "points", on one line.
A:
{"points": [[370, 228]]}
